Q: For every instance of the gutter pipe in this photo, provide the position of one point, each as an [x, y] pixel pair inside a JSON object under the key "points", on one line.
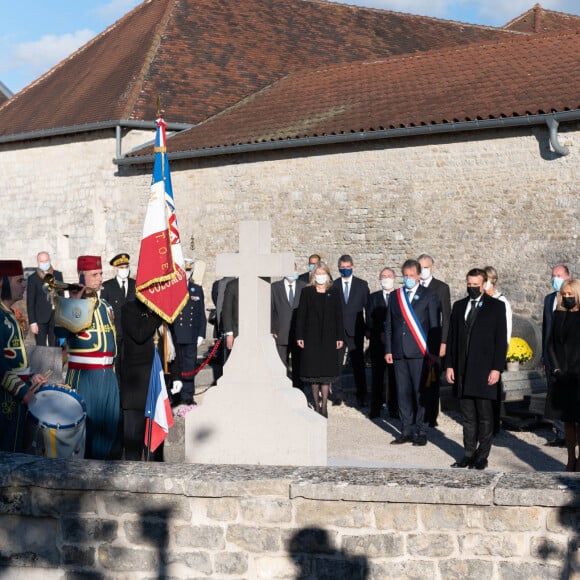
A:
{"points": [[553, 126], [503, 122]]}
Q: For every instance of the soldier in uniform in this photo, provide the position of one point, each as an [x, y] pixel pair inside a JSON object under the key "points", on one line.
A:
{"points": [[116, 292], [91, 355], [188, 332], [17, 391]]}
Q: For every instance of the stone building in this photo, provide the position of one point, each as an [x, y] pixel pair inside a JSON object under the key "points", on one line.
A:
{"points": [[354, 130]]}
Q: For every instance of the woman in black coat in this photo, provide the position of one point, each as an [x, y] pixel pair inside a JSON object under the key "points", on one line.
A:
{"points": [[320, 334], [138, 324], [563, 400]]}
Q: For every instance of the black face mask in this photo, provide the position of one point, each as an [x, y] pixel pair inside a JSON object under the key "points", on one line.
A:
{"points": [[568, 302], [474, 292]]}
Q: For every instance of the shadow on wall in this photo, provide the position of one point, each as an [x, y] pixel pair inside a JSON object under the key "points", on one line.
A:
{"points": [[312, 551]]}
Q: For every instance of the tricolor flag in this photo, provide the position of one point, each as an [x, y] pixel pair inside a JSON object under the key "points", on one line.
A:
{"points": [[159, 418], [161, 281]]}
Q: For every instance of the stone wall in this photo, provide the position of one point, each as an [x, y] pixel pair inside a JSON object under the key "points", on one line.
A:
{"points": [[484, 197], [88, 519]]}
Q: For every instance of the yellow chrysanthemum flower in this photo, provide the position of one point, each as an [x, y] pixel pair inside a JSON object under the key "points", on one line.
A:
{"points": [[519, 350]]}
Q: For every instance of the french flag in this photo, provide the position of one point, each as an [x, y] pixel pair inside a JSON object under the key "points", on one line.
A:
{"points": [[161, 282], [159, 418]]}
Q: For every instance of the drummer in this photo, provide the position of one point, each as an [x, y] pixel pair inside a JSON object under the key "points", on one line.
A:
{"points": [[91, 372], [17, 386]]}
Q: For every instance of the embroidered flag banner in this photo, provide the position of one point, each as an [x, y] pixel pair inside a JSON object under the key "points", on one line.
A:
{"points": [[161, 282], [159, 418]]}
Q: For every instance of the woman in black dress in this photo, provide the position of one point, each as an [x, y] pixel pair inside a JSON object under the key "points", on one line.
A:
{"points": [[320, 335], [563, 400]]}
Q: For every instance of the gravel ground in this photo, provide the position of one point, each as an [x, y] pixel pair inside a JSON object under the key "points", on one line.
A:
{"points": [[355, 440]]}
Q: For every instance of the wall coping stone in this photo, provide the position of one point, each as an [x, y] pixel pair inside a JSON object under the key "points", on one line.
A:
{"points": [[447, 486]]}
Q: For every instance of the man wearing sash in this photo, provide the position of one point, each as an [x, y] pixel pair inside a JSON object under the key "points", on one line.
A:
{"points": [[412, 333], [16, 391], [91, 372]]}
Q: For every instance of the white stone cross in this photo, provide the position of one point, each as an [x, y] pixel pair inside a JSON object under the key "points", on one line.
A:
{"points": [[253, 265]]}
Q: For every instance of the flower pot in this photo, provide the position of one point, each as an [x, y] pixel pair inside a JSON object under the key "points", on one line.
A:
{"points": [[513, 366]]}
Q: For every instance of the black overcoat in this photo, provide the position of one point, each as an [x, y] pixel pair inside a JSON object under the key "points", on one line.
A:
{"points": [[319, 324], [473, 357]]}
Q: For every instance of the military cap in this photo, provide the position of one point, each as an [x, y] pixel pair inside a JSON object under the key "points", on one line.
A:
{"points": [[120, 260]]}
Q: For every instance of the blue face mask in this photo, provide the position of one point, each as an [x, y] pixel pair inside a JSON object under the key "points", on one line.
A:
{"points": [[345, 272], [557, 283], [311, 267], [292, 277], [409, 283]]}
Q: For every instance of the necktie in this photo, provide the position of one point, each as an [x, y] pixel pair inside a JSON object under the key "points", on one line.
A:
{"points": [[346, 292], [124, 288], [386, 299], [291, 294], [471, 313]]}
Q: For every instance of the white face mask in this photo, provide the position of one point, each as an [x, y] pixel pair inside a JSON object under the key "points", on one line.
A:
{"points": [[387, 283], [44, 266], [425, 273], [123, 273], [487, 286], [321, 278]]}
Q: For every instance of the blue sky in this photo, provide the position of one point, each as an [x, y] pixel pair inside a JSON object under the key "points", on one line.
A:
{"points": [[37, 34]]}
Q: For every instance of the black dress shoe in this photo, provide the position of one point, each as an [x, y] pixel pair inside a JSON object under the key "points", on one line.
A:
{"points": [[402, 439], [420, 440], [479, 464], [557, 442], [463, 462]]}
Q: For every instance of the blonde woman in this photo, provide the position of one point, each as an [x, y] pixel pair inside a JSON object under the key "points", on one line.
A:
{"points": [[320, 334], [563, 400], [491, 290]]}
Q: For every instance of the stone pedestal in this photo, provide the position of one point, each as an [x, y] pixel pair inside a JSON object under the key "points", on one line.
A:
{"points": [[254, 415]]}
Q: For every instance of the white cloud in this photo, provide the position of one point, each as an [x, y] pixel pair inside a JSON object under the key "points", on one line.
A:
{"points": [[40, 55]]}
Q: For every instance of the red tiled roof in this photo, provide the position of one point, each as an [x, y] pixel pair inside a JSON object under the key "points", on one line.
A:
{"points": [[202, 56], [515, 77], [538, 20]]}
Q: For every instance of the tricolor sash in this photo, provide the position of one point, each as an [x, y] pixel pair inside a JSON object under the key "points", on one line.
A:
{"points": [[411, 320]]}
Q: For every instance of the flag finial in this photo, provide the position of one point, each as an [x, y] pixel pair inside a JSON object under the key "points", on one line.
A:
{"points": [[159, 110]]}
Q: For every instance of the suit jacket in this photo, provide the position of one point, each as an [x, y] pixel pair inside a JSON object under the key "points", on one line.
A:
{"points": [[230, 307], [399, 340], [113, 294], [283, 316], [304, 277], [547, 327], [353, 312], [38, 307], [473, 354], [444, 296], [191, 322], [376, 315]]}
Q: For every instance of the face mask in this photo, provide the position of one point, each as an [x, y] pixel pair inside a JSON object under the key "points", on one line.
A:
{"points": [[345, 272], [387, 283], [44, 266], [474, 292], [311, 267], [409, 283], [321, 278], [557, 283], [487, 286], [425, 273], [123, 273], [292, 277], [568, 302]]}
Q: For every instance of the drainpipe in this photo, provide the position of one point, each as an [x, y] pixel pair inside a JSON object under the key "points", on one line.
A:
{"points": [[118, 141], [553, 126]]}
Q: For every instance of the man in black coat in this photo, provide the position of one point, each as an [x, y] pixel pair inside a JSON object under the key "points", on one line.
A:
{"points": [[285, 296], [188, 330], [39, 305], [355, 295], [433, 383], [376, 315], [476, 353]]}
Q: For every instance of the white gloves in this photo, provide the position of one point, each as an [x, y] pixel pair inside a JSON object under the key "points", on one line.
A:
{"points": [[199, 340], [176, 387]]}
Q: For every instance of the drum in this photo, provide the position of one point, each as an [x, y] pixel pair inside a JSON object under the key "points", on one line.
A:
{"points": [[58, 417]]}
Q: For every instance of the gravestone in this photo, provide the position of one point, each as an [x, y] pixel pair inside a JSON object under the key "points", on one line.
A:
{"points": [[254, 415]]}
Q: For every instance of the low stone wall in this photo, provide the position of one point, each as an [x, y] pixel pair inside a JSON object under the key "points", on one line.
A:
{"points": [[90, 519]]}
